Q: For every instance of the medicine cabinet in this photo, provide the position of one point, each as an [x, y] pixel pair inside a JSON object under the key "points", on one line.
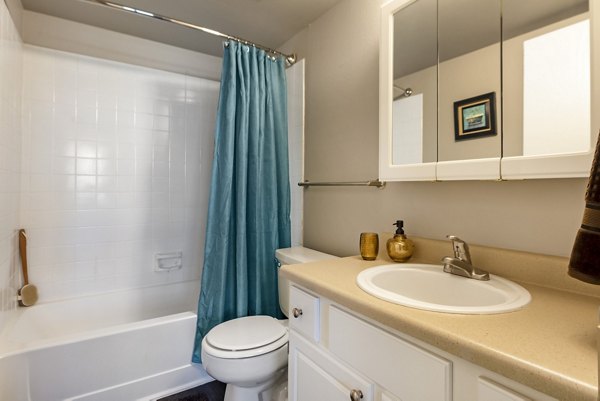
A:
{"points": [[494, 89]]}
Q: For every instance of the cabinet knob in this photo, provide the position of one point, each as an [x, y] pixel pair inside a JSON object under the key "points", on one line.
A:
{"points": [[297, 312], [356, 395]]}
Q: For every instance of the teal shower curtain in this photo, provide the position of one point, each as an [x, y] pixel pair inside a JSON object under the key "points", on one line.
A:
{"points": [[249, 207]]}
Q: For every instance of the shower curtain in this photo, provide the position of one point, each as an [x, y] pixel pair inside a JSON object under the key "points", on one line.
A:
{"points": [[249, 207]]}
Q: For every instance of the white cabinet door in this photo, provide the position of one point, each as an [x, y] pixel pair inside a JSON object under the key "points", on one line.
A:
{"points": [[406, 370], [315, 376], [304, 313], [487, 390]]}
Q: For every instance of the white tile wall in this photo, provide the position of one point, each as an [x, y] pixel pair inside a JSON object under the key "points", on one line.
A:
{"points": [[295, 99], [10, 161], [115, 167]]}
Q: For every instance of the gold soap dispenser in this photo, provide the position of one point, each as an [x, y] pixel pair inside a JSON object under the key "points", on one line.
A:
{"points": [[400, 248]]}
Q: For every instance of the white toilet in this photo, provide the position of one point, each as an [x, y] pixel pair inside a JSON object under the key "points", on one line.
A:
{"points": [[250, 354]]}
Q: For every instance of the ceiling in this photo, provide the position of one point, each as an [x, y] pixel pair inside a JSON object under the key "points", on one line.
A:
{"points": [[267, 22]]}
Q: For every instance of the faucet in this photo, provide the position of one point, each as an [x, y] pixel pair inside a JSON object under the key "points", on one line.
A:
{"points": [[461, 264]]}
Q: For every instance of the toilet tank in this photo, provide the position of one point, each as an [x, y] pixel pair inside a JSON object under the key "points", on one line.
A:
{"points": [[292, 256]]}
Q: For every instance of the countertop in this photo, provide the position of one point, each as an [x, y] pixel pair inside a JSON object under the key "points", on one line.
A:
{"points": [[550, 345]]}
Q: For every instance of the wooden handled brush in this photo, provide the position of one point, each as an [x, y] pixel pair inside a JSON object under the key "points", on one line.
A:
{"points": [[28, 294]]}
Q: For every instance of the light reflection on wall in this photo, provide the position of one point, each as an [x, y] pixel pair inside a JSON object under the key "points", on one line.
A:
{"points": [[556, 91]]}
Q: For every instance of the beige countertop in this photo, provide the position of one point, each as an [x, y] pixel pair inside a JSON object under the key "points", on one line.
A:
{"points": [[550, 345]]}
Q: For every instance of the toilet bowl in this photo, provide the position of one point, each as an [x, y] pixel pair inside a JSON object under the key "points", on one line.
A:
{"points": [[250, 354]]}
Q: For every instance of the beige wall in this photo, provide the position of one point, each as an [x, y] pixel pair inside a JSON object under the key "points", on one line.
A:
{"points": [[341, 50]]}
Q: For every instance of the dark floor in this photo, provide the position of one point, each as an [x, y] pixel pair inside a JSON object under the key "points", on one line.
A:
{"points": [[213, 391]]}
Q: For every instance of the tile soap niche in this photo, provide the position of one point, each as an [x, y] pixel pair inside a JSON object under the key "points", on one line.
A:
{"points": [[167, 261]]}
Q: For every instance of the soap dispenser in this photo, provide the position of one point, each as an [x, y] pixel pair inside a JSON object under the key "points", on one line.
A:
{"points": [[400, 248]]}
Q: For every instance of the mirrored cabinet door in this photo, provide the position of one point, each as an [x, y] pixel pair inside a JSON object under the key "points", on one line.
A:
{"points": [[414, 104], [469, 89], [547, 90], [408, 137]]}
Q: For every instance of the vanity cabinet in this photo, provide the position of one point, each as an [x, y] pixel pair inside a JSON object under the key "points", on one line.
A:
{"points": [[353, 358]]}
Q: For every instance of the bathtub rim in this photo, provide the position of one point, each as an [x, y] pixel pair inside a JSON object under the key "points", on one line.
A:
{"points": [[8, 346], [96, 333]]}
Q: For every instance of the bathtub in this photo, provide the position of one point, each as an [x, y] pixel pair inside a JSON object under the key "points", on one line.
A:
{"points": [[128, 345]]}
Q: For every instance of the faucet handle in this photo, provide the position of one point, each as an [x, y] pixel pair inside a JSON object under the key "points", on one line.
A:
{"points": [[460, 248]]}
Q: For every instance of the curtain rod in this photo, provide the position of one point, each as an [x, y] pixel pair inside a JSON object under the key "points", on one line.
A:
{"points": [[289, 58]]}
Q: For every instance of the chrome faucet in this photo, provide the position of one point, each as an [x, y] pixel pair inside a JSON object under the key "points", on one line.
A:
{"points": [[461, 264]]}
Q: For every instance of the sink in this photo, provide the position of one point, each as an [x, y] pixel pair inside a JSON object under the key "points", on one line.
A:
{"points": [[428, 287]]}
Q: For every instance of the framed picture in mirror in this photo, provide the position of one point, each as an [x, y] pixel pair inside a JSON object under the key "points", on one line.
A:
{"points": [[475, 117]]}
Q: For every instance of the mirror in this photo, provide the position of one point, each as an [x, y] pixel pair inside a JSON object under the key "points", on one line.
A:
{"points": [[494, 89], [469, 68], [414, 104], [546, 81]]}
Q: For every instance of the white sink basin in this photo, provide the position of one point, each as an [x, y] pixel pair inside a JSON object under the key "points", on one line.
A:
{"points": [[428, 287]]}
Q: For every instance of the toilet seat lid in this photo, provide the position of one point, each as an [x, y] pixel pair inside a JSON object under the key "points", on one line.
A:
{"points": [[246, 333]]}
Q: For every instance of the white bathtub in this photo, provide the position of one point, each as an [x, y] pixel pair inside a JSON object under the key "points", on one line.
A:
{"points": [[129, 345]]}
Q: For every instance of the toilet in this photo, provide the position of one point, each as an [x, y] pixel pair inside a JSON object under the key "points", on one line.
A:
{"points": [[250, 354]]}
